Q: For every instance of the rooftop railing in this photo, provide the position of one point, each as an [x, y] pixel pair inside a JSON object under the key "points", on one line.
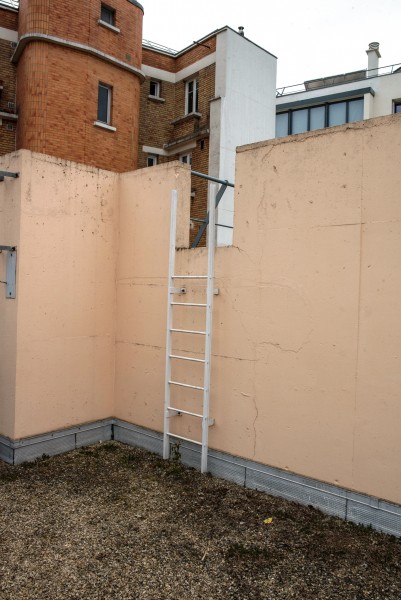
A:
{"points": [[9, 4], [315, 84], [159, 47]]}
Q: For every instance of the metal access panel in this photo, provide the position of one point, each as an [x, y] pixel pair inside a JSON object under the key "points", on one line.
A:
{"points": [[11, 273]]}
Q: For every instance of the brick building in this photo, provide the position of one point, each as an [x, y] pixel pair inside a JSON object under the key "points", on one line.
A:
{"points": [[8, 41], [199, 104], [76, 67]]}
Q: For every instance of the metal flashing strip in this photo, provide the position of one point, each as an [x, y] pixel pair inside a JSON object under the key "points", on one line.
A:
{"points": [[28, 449], [135, 3], [351, 506], [51, 39], [330, 499], [316, 100]]}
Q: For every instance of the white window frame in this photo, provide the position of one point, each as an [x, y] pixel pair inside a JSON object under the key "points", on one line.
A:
{"points": [[191, 107], [157, 88], [109, 99], [396, 103], [151, 160], [186, 158], [111, 11]]}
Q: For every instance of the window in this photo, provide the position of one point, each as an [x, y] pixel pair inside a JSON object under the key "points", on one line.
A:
{"points": [[318, 117], [108, 15], [191, 96], [104, 104], [154, 88], [186, 159], [397, 106], [152, 160]]}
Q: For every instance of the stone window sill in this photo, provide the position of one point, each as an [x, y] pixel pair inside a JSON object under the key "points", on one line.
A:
{"points": [[104, 126], [156, 98], [108, 26], [189, 117]]}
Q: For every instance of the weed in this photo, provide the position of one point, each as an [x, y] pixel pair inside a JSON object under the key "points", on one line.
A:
{"points": [[175, 453]]}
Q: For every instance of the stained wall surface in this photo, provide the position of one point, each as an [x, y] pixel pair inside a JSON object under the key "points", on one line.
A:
{"points": [[10, 193], [142, 270], [306, 367], [63, 218]]}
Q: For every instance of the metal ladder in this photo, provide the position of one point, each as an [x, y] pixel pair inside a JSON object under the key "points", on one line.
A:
{"points": [[173, 411]]}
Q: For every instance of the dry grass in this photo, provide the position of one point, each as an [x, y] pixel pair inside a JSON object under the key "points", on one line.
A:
{"points": [[115, 522]]}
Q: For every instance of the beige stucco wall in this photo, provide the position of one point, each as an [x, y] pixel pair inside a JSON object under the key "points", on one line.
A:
{"points": [[10, 191], [145, 199], [306, 369], [322, 245], [306, 365], [65, 225]]}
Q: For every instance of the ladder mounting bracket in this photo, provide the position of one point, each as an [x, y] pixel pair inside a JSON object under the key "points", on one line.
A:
{"points": [[11, 270]]}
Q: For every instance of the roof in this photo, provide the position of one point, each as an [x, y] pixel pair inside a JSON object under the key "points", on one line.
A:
{"points": [[201, 41]]}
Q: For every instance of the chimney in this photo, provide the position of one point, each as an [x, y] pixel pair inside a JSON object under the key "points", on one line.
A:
{"points": [[241, 30], [373, 59]]}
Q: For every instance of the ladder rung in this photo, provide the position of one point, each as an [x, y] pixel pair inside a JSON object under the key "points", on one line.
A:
{"points": [[180, 437], [187, 304], [201, 360], [184, 412], [188, 331], [187, 385], [189, 276]]}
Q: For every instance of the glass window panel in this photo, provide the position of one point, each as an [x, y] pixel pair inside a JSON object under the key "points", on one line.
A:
{"points": [[103, 104], [397, 108], [337, 114], [107, 15], [317, 118], [154, 88], [355, 110], [281, 124], [299, 121]]}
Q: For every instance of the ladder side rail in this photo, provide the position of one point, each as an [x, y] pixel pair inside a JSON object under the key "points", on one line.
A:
{"points": [[206, 221], [211, 243], [170, 285]]}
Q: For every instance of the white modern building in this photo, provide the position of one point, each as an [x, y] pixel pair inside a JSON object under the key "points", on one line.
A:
{"points": [[338, 99]]}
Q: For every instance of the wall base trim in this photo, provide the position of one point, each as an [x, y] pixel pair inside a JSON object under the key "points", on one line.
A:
{"points": [[333, 500]]}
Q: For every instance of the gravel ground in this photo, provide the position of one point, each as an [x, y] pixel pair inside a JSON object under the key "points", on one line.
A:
{"points": [[116, 522]]}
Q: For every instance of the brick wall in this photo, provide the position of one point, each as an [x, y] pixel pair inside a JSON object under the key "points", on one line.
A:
{"points": [[158, 60], [58, 106], [165, 122], [57, 92], [196, 53], [173, 64], [78, 21], [9, 19]]}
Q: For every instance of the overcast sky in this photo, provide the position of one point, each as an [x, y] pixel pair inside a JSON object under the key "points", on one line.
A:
{"points": [[311, 39]]}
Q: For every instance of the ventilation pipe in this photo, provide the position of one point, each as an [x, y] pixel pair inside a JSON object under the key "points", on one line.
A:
{"points": [[241, 30], [373, 59]]}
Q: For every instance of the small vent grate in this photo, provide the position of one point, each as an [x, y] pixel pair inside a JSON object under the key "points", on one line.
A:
{"points": [[10, 126], [11, 105]]}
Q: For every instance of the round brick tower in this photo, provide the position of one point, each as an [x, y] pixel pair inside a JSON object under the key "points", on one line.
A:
{"points": [[78, 80]]}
